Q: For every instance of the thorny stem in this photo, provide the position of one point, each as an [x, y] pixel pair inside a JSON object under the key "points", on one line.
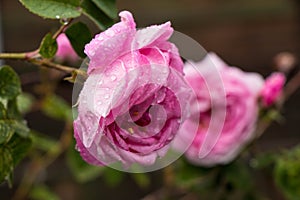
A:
{"points": [[31, 57], [291, 87], [61, 29], [34, 57], [14, 56], [49, 64]]}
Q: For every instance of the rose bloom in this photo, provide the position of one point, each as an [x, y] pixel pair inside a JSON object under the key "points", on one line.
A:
{"points": [[227, 103], [134, 98], [65, 51], [272, 89]]}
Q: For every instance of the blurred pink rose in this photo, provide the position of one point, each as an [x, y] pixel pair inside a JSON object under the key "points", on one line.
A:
{"points": [[135, 97], [228, 108], [273, 88], [65, 51]]}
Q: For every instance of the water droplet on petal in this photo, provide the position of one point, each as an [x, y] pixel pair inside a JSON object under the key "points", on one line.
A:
{"points": [[100, 82], [106, 96], [110, 33], [84, 101], [113, 78], [99, 38], [92, 52]]}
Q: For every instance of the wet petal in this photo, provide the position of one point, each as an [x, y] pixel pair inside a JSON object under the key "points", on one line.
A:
{"points": [[107, 46]]}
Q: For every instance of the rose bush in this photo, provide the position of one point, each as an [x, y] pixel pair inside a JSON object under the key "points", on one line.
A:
{"points": [[228, 108], [135, 97]]}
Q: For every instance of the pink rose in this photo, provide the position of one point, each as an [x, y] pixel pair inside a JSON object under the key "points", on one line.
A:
{"points": [[227, 99], [272, 89], [135, 97], [65, 51]]}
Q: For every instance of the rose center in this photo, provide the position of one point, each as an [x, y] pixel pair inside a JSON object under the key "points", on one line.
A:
{"points": [[144, 120]]}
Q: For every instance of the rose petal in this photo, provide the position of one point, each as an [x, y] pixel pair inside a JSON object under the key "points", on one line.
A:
{"points": [[107, 46], [150, 36]]}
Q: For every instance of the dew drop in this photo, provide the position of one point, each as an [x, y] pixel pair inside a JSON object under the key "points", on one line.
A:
{"points": [[100, 82], [106, 96], [57, 16], [64, 21], [92, 52], [110, 33], [113, 78], [99, 38]]}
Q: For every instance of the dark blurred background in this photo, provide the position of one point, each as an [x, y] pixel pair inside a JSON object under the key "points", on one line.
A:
{"points": [[247, 34]]}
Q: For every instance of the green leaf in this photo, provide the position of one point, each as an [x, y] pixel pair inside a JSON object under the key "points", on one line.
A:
{"points": [[287, 173], [96, 15], [6, 131], [113, 177], [3, 114], [79, 35], [20, 127], [25, 102], [108, 7], [10, 123], [10, 85], [8, 127], [82, 171], [141, 179], [238, 175], [48, 46], [43, 142], [57, 108], [53, 9], [6, 163], [13, 110], [11, 154], [42, 192], [262, 161], [19, 148], [187, 174]]}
